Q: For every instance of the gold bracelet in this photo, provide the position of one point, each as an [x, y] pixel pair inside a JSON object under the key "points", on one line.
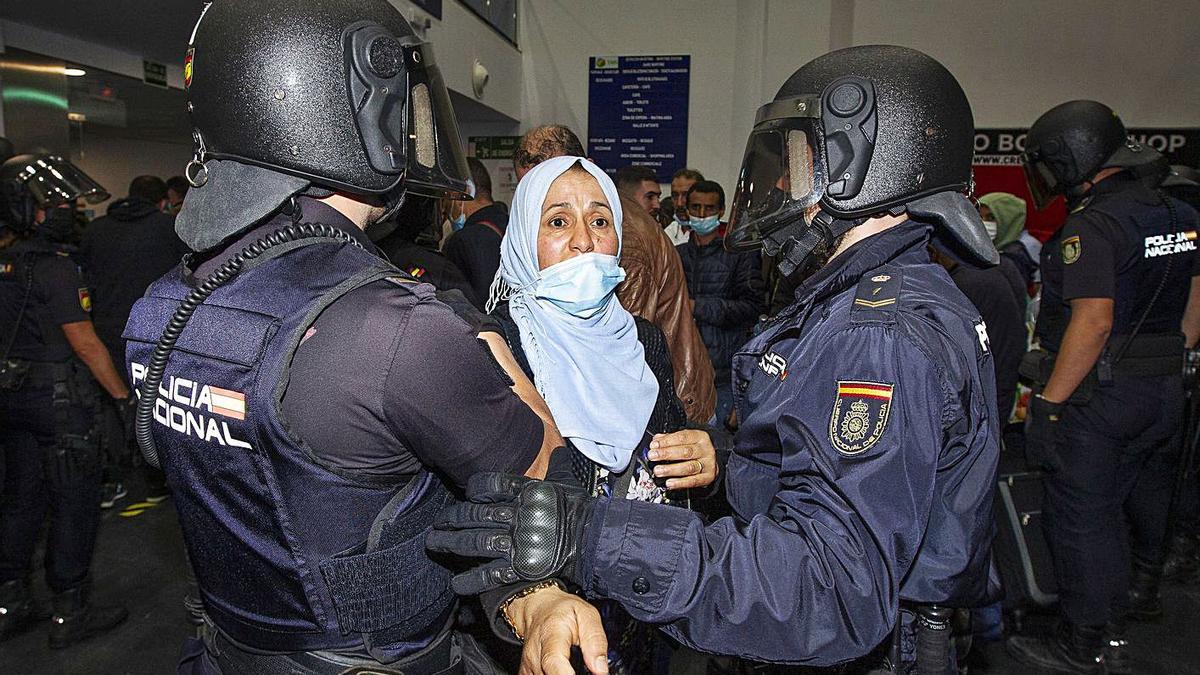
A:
{"points": [[521, 594]]}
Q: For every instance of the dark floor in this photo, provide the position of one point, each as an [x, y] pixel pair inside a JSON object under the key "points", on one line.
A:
{"points": [[140, 562]]}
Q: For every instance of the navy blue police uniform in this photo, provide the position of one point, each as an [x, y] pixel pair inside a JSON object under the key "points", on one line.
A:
{"points": [[1118, 436], [314, 416], [861, 479], [48, 403]]}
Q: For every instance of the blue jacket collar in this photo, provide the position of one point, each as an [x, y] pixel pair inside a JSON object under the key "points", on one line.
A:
{"points": [[904, 243]]}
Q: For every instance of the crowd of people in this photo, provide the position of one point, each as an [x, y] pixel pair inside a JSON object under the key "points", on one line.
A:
{"points": [[705, 431]]}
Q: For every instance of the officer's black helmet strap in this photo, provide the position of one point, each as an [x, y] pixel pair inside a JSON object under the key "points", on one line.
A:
{"points": [[795, 244]]}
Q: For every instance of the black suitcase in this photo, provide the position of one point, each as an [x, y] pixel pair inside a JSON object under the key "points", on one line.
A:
{"points": [[1020, 548]]}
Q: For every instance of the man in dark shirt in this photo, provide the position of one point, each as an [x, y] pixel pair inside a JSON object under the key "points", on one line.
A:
{"points": [[475, 249], [1106, 415], [50, 361], [391, 366], [312, 405], [993, 291], [122, 253]]}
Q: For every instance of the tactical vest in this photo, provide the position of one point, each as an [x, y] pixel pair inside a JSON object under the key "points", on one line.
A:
{"points": [[1163, 247], [291, 555]]}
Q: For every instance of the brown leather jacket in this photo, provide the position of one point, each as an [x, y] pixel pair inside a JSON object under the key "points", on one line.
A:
{"points": [[656, 290]]}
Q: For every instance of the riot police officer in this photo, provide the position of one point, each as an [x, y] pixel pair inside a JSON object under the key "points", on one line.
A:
{"points": [[311, 404], [861, 479], [50, 362], [1106, 417]]}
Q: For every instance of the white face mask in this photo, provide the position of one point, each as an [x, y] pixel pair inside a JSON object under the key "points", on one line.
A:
{"points": [[581, 285], [990, 226]]}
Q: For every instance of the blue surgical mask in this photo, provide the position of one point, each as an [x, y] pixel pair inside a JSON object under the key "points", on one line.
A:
{"points": [[704, 225], [458, 222], [582, 285]]}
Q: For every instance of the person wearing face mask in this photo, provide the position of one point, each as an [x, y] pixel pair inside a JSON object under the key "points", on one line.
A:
{"points": [[654, 288], [727, 286], [1003, 215], [478, 224], [681, 182], [606, 376], [862, 476], [49, 355]]}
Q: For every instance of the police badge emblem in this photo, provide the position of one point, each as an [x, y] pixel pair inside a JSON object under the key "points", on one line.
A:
{"points": [[860, 414], [1071, 248]]}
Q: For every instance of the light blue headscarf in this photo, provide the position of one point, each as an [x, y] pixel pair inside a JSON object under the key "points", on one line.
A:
{"points": [[592, 372]]}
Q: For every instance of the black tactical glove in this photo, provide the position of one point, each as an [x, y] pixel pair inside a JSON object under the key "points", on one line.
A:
{"points": [[127, 409], [1042, 433], [527, 529]]}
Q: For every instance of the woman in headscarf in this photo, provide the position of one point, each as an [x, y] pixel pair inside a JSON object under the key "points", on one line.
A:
{"points": [[606, 376]]}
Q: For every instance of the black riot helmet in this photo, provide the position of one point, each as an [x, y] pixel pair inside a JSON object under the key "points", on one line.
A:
{"points": [[859, 132], [32, 182], [339, 95], [1070, 143]]}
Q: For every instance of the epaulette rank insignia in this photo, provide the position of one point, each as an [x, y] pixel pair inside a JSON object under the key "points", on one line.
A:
{"points": [[876, 295]]}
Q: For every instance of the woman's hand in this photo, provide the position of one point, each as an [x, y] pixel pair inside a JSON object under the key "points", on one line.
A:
{"points": [[552, 621], [686, 458]]}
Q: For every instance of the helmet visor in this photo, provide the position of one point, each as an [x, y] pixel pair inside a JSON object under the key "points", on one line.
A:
{"points": [[53, 181], [1043, 184], [438, 165], [783, 173]]}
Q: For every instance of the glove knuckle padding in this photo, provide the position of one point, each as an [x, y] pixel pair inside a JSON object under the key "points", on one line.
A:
{"points": [[539, 532]]}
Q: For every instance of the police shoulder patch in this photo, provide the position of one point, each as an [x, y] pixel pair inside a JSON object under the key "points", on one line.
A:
{"points": [[860, 415], [85, 299], [876, 295], [1071, 248]]}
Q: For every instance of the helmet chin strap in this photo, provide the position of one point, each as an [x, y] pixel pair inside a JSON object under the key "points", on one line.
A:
{"points": [[795, 244]]}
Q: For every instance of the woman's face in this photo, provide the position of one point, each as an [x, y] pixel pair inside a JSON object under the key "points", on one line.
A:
{"points": [[576, 219]]}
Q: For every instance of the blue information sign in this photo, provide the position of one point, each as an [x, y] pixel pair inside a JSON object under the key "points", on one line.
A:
{"points": [[638, 112]]}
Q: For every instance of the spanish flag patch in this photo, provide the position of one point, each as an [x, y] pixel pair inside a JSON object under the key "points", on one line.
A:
{"points": [[860, 415], [228, 402]]}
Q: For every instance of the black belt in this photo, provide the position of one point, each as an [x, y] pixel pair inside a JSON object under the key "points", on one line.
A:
{"points": [[42, 373], [443, 657], [1146, 355]]}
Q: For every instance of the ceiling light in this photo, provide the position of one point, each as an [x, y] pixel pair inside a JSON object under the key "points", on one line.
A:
{"points": [[74, 72]]}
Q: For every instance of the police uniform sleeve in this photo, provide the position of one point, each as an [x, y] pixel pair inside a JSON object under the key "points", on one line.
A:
{"points": [[448, 398], [1089, 249], [61, 286], [813, 580]]}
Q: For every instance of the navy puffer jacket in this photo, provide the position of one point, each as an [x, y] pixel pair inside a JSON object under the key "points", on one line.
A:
{"points": [[728, 290]]}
